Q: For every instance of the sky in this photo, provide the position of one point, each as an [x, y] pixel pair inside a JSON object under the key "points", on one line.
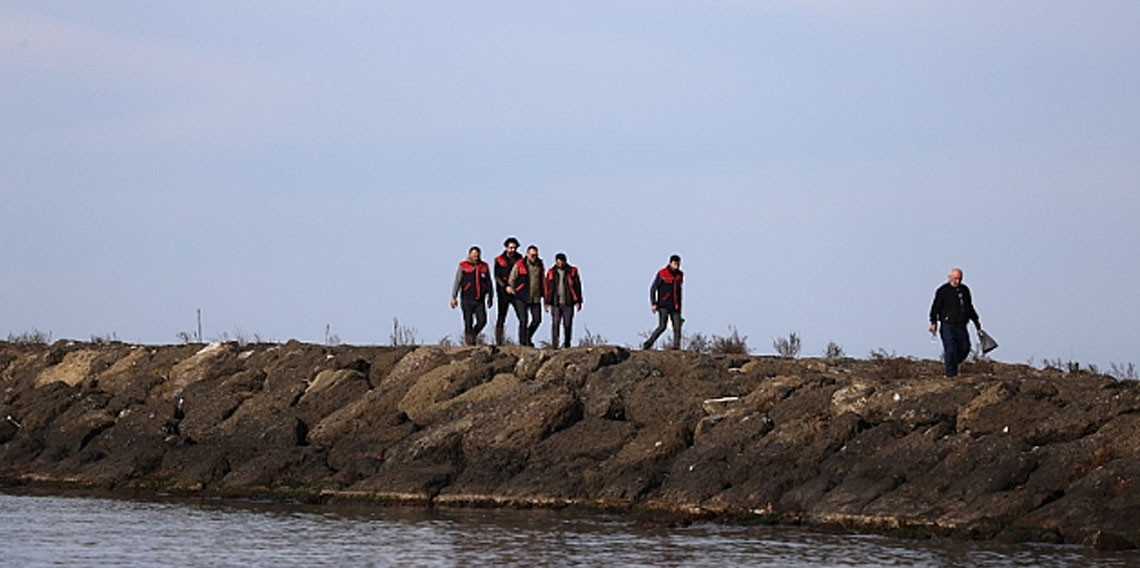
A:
{"points": [[295, 169]]}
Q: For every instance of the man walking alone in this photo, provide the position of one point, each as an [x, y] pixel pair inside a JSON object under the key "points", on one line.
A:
{"points": [[503, 265], [473, 284], [953, 307], [665, 301], [525, 282], [563, 294]]}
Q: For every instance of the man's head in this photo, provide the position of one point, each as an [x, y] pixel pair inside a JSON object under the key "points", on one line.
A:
{"points": [[532, 253], [511, 245], [560, 259], [473, 254], [955, 276], [675, 262]]}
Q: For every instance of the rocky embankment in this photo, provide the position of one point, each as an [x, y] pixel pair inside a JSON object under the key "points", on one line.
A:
{"points": [[1003, 451]]}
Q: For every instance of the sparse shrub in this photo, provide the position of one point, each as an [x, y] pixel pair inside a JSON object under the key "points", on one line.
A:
{"points": [[881, 354], [697, 343], [1122, 371], [833, 351], [240, 336], [788, 347], [105, 338], [732, 344], [589, 339], [30, 337], [331, 339], [1059, 364], [444, 341], [189, 337], [404, 335]]}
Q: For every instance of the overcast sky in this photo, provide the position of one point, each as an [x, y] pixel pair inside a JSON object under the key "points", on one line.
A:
{"points": [[287, 166]]}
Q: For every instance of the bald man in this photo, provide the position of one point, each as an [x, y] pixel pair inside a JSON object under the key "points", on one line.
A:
{"points": [[953, 307]]}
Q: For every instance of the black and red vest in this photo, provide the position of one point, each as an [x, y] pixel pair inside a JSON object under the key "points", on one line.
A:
{"points": [[503, 264], [475, 283], [523, 279], [669, 289], [573, 285]]}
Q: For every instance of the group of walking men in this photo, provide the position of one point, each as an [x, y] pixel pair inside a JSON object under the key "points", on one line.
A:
{"points": [[520, 281], [523, 281]]}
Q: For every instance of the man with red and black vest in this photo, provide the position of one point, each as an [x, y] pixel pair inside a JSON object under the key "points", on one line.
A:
{"points": [[473, 286], [525, 282], [563, 294], [665, 301], [503, 265]]}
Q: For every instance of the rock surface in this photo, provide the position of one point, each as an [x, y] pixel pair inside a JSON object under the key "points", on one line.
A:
{"points": [[1005, 451]]}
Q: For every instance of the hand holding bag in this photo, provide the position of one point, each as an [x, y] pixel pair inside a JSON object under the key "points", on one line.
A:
{"points": [[986, 342]]}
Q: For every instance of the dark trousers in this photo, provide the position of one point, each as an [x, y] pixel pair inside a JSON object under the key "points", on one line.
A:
{"points": [[663, 317], [474, 318], [530, 317], [505, 302], [955, 347], [565, 316]]}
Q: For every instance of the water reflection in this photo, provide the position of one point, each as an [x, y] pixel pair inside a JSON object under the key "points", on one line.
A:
{"points": [[52, 530]]}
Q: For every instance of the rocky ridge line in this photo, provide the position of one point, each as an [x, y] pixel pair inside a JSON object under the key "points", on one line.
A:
{"points": [[1004, 451]]}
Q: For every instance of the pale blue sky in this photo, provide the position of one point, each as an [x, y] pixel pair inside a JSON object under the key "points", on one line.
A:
{"points": [[284, 166]]}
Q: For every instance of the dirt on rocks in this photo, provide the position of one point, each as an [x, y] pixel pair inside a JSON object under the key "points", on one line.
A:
{"points": [[889, 444]]}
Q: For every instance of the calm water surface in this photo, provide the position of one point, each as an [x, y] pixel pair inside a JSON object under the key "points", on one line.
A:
{"points": [[89, 531]]}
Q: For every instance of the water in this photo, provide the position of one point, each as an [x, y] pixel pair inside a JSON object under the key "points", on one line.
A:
{"points": [[88, 531]]}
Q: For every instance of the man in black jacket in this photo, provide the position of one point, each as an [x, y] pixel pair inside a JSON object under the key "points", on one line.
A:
{"points": [[665, 301], [503, 265], [953, 307]]}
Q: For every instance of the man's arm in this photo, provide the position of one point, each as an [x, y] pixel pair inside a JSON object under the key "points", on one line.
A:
{"points": [[935, 309], [653, 292], [501, 281], [972, 314], [578, 288], [512, 278], [455, 287], [490, 290]]}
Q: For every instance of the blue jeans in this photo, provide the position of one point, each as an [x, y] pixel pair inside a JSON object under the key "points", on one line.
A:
{"points": [[955, 347]]}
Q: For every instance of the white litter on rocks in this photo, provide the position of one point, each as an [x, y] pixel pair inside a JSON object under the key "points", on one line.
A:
{"points": [[210, 348]]}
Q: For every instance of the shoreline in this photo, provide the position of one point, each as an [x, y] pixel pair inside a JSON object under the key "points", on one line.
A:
{"points": [[885, 446]]}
